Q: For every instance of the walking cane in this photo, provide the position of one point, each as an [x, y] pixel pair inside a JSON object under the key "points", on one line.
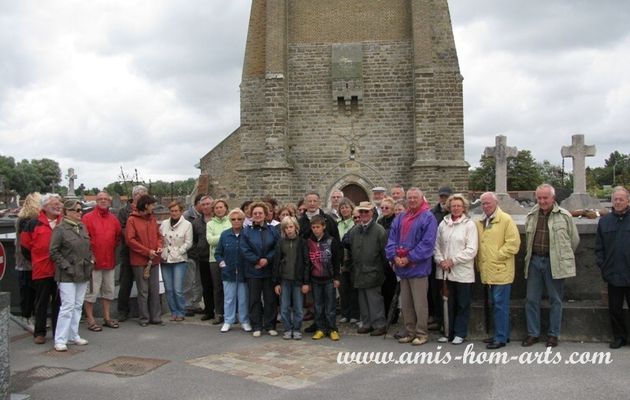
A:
{"points": [[444, 293]]}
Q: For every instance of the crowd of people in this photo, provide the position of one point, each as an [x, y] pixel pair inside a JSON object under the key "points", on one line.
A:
{"points": [[263, 262]]}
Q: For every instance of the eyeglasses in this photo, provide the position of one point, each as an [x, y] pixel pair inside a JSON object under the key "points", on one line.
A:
{"points": [[364, 211], [385, 208], [236, 219], [78, 210]]}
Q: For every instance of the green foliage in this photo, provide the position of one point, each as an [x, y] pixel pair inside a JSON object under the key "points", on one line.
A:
{"points": [[522, 171], [616, 171]]}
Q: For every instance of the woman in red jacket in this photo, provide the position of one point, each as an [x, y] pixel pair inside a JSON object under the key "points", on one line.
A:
{"points": [[145, 245]]}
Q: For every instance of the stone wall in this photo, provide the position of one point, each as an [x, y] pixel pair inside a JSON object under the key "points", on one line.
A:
{"points": [[405, 124], [220, 165]]}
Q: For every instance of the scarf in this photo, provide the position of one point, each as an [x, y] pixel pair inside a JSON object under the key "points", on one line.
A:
{"points": [[408, 219]]}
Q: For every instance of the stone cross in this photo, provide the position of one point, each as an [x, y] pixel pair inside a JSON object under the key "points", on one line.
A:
{"points": [[578, 151], [71, 178], [500, 152]]}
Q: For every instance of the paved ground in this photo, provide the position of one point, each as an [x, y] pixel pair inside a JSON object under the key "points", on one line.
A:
{"points": [[193, 360]]}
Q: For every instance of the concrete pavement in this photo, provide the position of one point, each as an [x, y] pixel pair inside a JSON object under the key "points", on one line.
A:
{"points": [[193, 360]]}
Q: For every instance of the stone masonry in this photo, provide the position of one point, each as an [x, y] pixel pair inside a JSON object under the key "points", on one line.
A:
{"points": [[400, 121]]}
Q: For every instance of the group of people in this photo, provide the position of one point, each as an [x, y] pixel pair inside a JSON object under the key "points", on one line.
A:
{"points": [[243, 261]]}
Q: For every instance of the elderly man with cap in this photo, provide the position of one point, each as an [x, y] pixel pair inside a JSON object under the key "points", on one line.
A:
{"points": [[367, 241], [378, 194]]}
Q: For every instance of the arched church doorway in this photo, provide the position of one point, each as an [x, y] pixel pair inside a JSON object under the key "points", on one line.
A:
{"points": [[355, 193]]}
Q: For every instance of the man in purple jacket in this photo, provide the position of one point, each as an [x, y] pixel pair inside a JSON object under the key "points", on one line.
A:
{"points": [[410, 249]]}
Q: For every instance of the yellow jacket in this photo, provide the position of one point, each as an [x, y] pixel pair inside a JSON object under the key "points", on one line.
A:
{"points": [[498, 244]]}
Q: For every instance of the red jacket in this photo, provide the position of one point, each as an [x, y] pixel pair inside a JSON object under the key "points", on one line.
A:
{"points": [[142, 234], [105, 233], [36, 239]]}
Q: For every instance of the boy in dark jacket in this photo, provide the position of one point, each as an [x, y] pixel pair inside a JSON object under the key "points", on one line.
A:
{"points": [[289, 278], [323, 265]]}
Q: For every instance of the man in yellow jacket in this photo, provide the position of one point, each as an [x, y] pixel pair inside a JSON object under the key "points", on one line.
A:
{"points": [[499, 242], [551, 239]]}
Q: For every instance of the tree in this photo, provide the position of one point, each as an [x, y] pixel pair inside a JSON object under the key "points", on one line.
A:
{"points": [[552, 174], [522, 172], [482, 177], [27, 178], [50, 173]]}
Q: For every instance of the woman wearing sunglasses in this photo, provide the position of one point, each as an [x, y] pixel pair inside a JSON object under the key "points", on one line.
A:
{"points": [[71, 253]]}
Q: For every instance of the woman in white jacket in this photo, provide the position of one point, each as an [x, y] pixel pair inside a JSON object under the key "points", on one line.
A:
{"points": [[455, 251], [178, 238]]}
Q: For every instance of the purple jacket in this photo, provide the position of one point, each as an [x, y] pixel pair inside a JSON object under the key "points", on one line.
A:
{"points": [[420, 243]]}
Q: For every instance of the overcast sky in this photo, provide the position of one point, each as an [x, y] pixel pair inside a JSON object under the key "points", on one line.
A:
{"points": [[153, 85]]}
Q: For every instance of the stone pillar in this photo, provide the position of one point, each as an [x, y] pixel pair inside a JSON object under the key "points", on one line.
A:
{"points": [[438, 105], [501, 152], [578, 151], [5, 370]]}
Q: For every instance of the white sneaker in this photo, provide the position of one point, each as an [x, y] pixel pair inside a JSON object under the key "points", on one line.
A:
{"points": [[353, 320], [443, 339], [225, 327], [256, 334], [28, 325], [343, 320], [286, 335], [61, 347], [359, 324], [246, 327], [80, 341], [272, 332], [458, 340]]}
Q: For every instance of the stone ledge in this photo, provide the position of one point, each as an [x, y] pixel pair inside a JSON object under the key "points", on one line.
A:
{"points": [[586, 321]]}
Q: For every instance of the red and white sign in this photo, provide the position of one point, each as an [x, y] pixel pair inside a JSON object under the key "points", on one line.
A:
{"points": [[3, 261]]}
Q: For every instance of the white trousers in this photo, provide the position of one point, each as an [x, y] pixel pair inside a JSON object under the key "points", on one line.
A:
{"points": [[72, 295]]}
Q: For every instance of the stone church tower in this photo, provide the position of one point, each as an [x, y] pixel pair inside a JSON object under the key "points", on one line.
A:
{"points": [[344, 95]]}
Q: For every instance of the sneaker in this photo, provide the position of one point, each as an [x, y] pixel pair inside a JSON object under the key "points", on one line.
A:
{"points": [[443, 339], [286, 335], [61, 347], [225, 327], [343, 320], [405, 339], [458, 340], [318, 335], [256, 334], [246, 327], [80, 341], [359, 324], [353, 320], [272, 332], [419, 341], [334, 336], [297, 335]]}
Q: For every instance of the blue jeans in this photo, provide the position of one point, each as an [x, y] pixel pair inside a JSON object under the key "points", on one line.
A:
{"points": [[291, 295], [539, 277], [500, 295], [325, 306], [235, 293], [173, 275]]}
